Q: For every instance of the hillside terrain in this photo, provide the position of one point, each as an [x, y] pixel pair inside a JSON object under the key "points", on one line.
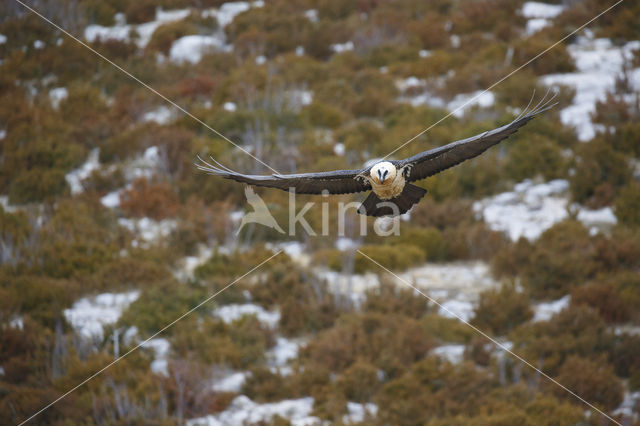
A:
{"points": [[109, 234]]}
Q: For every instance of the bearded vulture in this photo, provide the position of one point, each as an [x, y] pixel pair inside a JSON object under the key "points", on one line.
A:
{"points": [[392, 194]]}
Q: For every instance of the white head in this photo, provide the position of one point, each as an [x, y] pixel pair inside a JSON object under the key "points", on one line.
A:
{"points": [[383, 172]]}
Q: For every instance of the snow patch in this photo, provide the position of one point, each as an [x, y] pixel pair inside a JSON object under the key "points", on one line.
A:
{"points": [[121, 31], [356, 412], [75, 177], [230, 383], [88, 315], [191, 48], [481, 98], [312, 15], [57, 95], [339, 149], [160, 115], [243, 410], [38, 44], [284, 351], [452, 353], [544, 311], [160, 347], [527, 211], [344, 244], [228, 11], [3, 39], [231, 313], [457, 309], [147, 229], [595, 220], [599, 64], [342, 47], [230, 106], [534, 9], [535, 25]]}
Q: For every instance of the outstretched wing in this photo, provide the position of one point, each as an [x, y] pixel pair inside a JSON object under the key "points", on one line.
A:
{"points": [[334, 182], [434, 161]]}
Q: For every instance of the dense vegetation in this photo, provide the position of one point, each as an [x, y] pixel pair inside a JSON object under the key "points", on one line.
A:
{"points": [[59, 245]]}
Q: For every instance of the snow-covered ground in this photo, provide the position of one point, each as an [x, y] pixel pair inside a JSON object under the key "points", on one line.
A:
{"points": [[88, 315], [544, 311], [415, 92], [357, 413], [481, 98], [530, 209], [599, 63], [231, 313], [148, 230], [57, 95], [122, 31], [231, 382], [160, 347], [243, 410], [628, 409], [342, 47], [539, 15], [191, 48], [527, 211], [160, 115], [453, 353], [75, 177], [284, 351]]}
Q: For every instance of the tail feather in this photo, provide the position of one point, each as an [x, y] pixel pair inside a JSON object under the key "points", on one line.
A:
{"points": [[374, 206]]}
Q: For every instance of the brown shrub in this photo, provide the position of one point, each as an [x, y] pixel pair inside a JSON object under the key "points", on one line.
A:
{"points": [[592, 380], [604, 298]]}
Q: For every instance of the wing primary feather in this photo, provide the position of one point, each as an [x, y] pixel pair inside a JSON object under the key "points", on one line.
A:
{"points": [[222, 166]]}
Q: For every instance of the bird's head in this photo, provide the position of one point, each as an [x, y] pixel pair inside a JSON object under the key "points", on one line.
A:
{"points": [[383, 172]]}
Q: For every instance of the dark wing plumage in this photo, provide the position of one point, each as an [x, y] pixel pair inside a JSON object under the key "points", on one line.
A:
{"points": [[430, 162], [333, 182]]}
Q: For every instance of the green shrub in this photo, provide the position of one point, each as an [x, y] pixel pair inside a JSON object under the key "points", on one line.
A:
{"points": [[393, 257], [500, 311], [627, 205]]}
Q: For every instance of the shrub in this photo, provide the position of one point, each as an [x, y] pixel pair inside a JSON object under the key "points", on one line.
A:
{"points": [[627, 205], [428, 240], [140, 11], [500, 311], [592, 380], [604, 298], [537, 156], [597, 163], [389, 342], [393, 257], [395, 298], [149, 199], [166, 34], [359, 382]]}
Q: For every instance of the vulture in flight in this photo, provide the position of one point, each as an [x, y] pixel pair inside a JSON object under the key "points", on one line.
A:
{"points": [[389, 181]]}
